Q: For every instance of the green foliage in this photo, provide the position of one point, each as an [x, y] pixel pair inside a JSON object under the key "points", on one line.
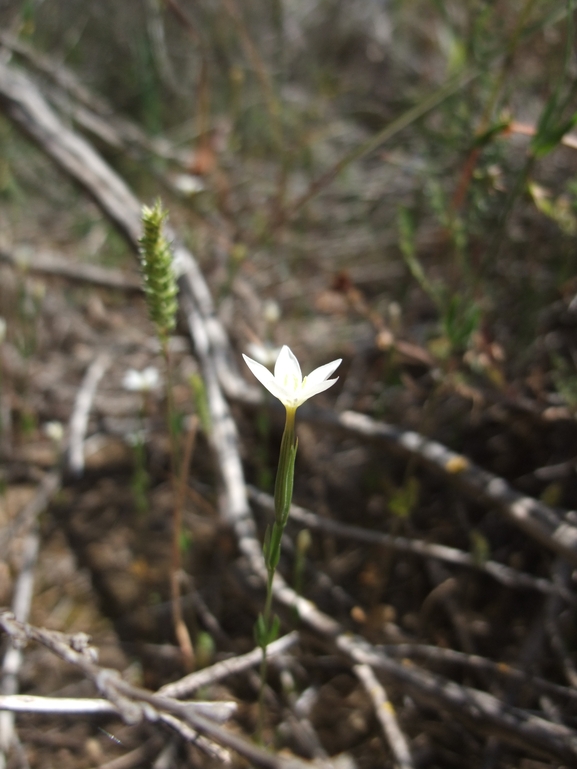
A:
{"points": [[564, 377], [459, 314], [262, 453], [266, 632], [480, 547], [303, 544], [558, 116], [185, 541], [200, 399], [559, 209], [405, 498], [140, 483], [204, 649], [157, 270]]}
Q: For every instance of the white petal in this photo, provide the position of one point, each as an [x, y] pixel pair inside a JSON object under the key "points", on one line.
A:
{"points": [[314, 389], [263, 375], [287, 366], [132, 380], [285, 397], [150, 378], [323, 372]]}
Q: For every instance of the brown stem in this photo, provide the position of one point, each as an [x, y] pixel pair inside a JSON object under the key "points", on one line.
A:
{"points": [[180, 629]]}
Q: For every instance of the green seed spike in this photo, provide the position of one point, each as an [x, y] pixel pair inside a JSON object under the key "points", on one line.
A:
{"points": [[157, 270]]}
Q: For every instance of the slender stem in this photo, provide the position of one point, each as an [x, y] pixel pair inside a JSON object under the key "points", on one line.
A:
{"points": [[283, 496], [180, 629], [283, 482]]}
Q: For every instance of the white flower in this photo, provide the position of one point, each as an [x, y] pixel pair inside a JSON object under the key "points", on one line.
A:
{"points": [[287, 383], [141, 381], [271, 312], [54, 431]]}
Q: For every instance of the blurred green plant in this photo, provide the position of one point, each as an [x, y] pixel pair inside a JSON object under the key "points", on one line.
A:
{"points": [[460, 315], [302, 547], [205, 648], [480, 547], [161, 290], [404, 499], [200, 399], [140, 481], [564, 376]]}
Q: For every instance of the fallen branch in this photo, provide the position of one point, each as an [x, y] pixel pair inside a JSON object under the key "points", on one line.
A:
{"points": [[535, 518], [90, 109], [475, 662], [81, 412], [26, 518], [12, 662], [194, 681], [386, 716], [503, 574], [47, 263], [134, 703]]}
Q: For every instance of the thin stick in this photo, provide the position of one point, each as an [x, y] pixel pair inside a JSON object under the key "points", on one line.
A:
{"points": [[12, 662], [535, 518], [555, 530], [503, 574], [48, 488], [501, 669], [191, 683], [190, 735], [140, 756], [135, 703], [180, 628], [28, 703], [49, 263], [386, 716], [81, 412], [562, 574], [90, 109]]}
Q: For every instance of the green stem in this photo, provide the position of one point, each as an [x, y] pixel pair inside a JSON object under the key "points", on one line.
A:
{"points": [[267, 624], [283, 486], [170, 409]]}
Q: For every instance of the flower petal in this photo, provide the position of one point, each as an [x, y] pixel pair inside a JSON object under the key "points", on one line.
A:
{"points": [[314, 389], [287, 366], [323, 372], [266, 379], [263, 375]]}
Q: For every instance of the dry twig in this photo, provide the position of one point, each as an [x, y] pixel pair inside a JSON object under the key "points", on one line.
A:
{"points": [[81, 412], [503, 574], [133, 703], [194, 681], [12, 661], [48, 263], [386, 716]]}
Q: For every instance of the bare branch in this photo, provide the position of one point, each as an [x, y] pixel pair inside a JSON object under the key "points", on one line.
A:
{"points": [[220, 670], [12, 661], [134, 703], [81, 412], [48, 263], [503, 574], [386, 716]]}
